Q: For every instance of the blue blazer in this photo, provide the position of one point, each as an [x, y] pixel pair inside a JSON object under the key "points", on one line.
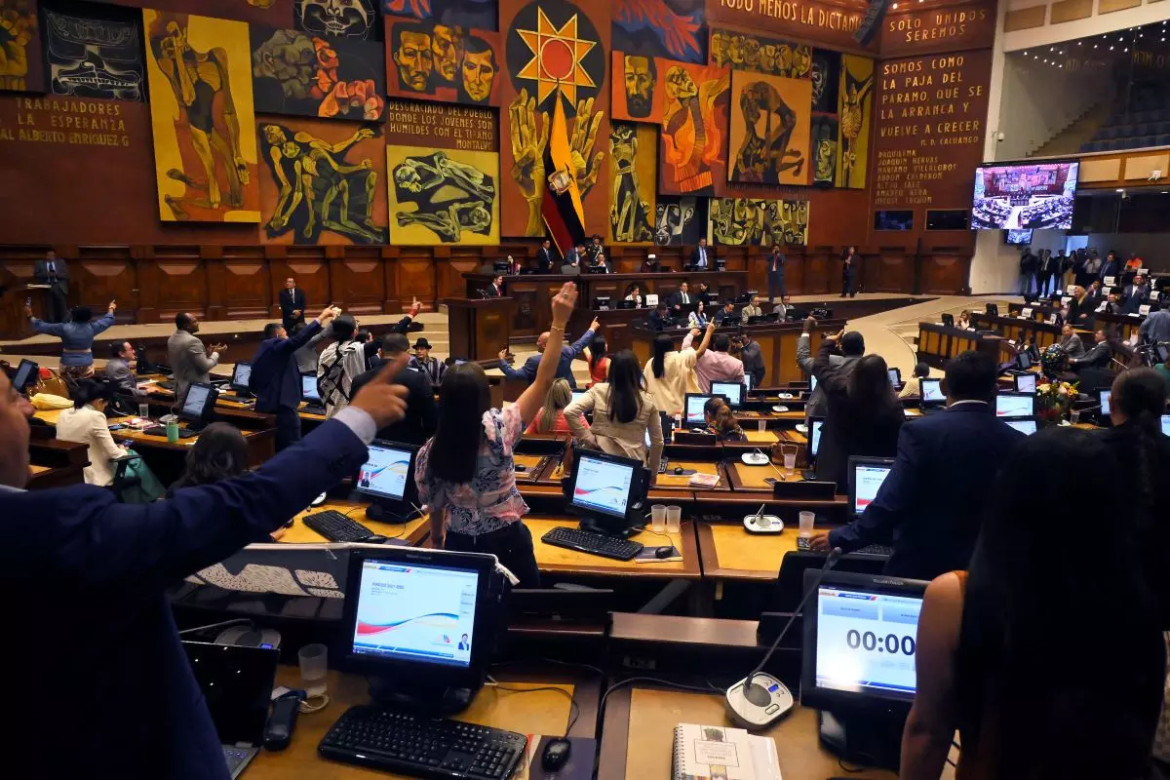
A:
{"points": [[569, 353], [103, 683], [931, 505], [276, 378]]}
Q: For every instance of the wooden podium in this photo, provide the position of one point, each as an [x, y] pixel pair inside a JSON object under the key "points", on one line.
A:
{"points": [[13, 323], [478, 329]]}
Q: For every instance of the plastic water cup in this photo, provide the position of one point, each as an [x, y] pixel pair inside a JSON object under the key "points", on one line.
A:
{"points": [[144, 411], [761, 425], [1074, 416], [673, 519], [314, 661], [790, 451], [658, 518], [807, 519]]}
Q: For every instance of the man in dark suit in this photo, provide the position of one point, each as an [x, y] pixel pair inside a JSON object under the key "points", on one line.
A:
{"points": [[276, 378], [419, 425], [702, 259], [569, 353], [292, 304], [1111, 267], [776, 263], [77, 554], [575, 256], [54, 272], [544, 259], [660, 318], [495, 289], [680, 298], [1136, 296], [930, 505], [1096, 356], [703, 296]]}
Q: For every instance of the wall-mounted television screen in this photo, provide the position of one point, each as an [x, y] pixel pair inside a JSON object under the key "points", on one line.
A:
{"points": [[1020, 237], [1024, 196]]}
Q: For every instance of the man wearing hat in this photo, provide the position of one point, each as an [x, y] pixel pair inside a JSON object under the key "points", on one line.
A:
{"points": [[432, 367]]}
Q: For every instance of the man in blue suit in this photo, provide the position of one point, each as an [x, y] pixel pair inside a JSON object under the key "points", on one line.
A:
{"points": [[276, 378], [569, 353], [930, 507], [103, 683]]}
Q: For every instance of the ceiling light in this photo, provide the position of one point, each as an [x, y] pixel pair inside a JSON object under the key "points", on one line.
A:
{"points": [[1110, 48]]}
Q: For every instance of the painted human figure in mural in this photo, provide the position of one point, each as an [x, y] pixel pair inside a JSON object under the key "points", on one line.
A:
{"points": [[640, 75], [200, 80], [478, 71], [414, 56], [852, 119], [449, 196], [629, 214], [688, 128], [447, 49], [768, 125], [314, 174]]}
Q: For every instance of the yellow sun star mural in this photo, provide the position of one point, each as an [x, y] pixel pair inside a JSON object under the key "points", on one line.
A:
{"points": [[556, 58]]}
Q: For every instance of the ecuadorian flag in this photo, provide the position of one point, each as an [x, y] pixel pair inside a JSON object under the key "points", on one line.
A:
{"points": [[564, 216]]}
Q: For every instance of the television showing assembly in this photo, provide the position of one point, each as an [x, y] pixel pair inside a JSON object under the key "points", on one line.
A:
{"points": [[1024, 196], [1017, 237]]}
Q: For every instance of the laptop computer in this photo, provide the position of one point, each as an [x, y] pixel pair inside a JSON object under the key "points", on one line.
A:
{"points": [[237, 684], [933, 398]]}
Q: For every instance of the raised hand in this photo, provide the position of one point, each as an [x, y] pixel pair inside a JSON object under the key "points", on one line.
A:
{"points": [[113, 305], [328, 314], [563, 303]]}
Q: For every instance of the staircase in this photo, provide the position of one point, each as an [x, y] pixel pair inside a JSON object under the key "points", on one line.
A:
{"points": [[1080, 131]]}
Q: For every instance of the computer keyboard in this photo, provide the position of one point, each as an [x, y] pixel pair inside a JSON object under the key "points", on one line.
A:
{"points": [[161, 430], [336, 527], [404, 743], [592, 543], [165, 384], [313, 409], [879, 550]]}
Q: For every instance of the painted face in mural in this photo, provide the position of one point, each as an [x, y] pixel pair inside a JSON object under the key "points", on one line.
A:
{"points": [[679, 85], [640, 76], [446, 43], [751, 52], [719, 48], [479, 70], [341, 18], [735, 50], [415, 61]]}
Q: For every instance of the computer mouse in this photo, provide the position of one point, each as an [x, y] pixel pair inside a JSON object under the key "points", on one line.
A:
{"points": [[678, 469], [555, 754], [663, 552], [375, 539]]}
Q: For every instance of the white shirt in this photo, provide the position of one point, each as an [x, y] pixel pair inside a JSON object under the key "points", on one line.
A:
{"points": [[89, 426]]}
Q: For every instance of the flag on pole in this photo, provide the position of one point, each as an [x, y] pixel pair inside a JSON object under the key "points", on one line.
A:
{"points": [[564, 216]]}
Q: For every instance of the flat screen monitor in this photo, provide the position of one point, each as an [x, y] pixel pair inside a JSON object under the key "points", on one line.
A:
{"points": [[1025, 383], [1023, 361], [577, 395], [1015, 405], [860, 638], [1024, 196], [895, 376], [1166, 425], [693, 409], [747, 383], [866, 476], [893, 220], [1103, 397], [1025, 425], [236, 683], [733, 391], [932, 393], [1018, 237], [814, 437], [240, 376], [309, 388], [388, 473], [606, 490], [199, 403], [26, 374]]}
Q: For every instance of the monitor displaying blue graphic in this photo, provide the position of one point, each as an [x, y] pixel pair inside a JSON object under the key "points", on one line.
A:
{"points": [[1025, 383], [196, 401], [932, 391], [1166, 425], [309, 388], [733, 391], [1104, 397], [1027, 427], [603, 486], [866, 641], [408, 612], [693, 414], [747, 383], [240, 376], [385, 471], [814, 436], [1009, 405]]}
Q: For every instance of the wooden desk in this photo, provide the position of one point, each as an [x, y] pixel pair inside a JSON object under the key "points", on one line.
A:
{"points": [[753, 478], [638, 736], [939, 343], [729, 552], [54, 462], [557, 560], [536, 712], [672, 481], [538, 469], [765, 437], [413, 532]]}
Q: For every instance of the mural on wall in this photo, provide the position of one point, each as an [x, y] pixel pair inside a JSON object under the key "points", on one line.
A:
{"points": [[635, 95], [824, 74], [823, 147], [275, 13], [633, 158], [854, 114], [769, 129], [337, 18], [476, 14], [679, 221], [323, 183], [442, 62], [95, 55], [693, 143], [332, 78], [554, 51], [672, 29], [202, 118], [22, 67], [760, 54], [759, 222], [443, 196]]}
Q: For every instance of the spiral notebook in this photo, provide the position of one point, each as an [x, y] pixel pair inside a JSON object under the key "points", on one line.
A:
{"points": [[721, 753]]}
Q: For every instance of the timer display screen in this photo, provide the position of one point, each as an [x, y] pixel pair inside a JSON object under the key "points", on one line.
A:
{"points": [[866, 641]]}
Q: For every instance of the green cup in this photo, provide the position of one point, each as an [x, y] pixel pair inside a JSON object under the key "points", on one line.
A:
{"points": [[172, 425]]}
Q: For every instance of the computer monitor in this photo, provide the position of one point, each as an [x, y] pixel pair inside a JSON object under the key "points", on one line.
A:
{"points": [[26, 374], [747, 383], [236, 682], [948, 320], [734, 392], [693, 408], [814, 438], [386, 480], [932, 394], [199, 405], [895, 376], [866, 475], [1166, 425], [578, 395], [1025, 425], [1023, 361], [240, 376], [1103, 397], [608, 492], [1015, 405], [420, 623], [1025, 383], [992, 309], [309, 390]]}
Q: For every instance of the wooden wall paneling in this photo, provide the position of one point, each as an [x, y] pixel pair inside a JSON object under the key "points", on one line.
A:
{"points": [[356, 278], [305, 264], [890, 270], [449, 273], [415, 277], [945, 273], [818, 272], [103, 274], [177, 276], [246, 280]]}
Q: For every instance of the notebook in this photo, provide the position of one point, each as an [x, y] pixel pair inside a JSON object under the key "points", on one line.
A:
{"points": [[718, 751]]}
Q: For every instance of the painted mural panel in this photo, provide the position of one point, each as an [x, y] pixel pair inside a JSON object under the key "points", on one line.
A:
{"points": [[633, 160], [693, 143], [769, 129], [672, 29], [823, 147], [427, 60], [760, 53], [22, 68], [854, 113], [96, 53], [275, 13], [202, 118], [825, 73], [322, 182], [679, 221], [477, 14], [759, 222], [443, 196], [337, 18]]}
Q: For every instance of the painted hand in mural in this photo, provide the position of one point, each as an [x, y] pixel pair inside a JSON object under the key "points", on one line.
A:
{"points": [[582, 140], [528, 156], [17, 32]]}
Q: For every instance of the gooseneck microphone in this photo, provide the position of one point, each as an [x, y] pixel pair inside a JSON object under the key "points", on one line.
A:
{"points": [[759, 700]]}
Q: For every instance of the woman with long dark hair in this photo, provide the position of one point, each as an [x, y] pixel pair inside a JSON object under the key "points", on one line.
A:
{"points": [[598, 359], [465, 472], [219, 453], [86, 423], [722, 421], [670, 373], [622, 414], [864, 415], [1005, 653]]}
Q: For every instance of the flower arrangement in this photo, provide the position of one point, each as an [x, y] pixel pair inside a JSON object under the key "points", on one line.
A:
{"points": [[1053, 360], [1053, 399]]}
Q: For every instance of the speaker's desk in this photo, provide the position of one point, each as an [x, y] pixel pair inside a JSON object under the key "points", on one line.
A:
{"points": [[530, 712], [638, 736]]}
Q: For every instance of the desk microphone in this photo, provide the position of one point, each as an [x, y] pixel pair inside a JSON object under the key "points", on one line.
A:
{"points": [[759, 700]]}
